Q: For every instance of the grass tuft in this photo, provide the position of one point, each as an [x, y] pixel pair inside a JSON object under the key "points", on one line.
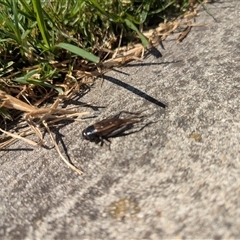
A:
{"points": [[51, 48]]}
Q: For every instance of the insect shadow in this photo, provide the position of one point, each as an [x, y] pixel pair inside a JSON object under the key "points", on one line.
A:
{"points": [[113, 127]]}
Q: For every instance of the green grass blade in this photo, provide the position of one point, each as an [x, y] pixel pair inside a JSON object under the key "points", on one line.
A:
{"points": [[16, 25], [78, 51], [145, 42], [111, 17], [29, 79], [26, 7], [5, 114], [40, 21], [156, 11]]}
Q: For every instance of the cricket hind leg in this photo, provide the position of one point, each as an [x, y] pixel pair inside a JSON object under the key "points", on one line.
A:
{"points": [[136, 114], [128, 123], [134, 131]]}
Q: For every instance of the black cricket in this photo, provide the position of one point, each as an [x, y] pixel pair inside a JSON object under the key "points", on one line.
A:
{"points": [[111, 127]]}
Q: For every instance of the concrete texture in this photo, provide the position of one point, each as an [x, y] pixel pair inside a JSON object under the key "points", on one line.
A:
{"points": [[177, 178]]}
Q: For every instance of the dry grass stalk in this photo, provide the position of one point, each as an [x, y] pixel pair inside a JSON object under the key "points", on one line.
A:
{"points": [[45, 115]]}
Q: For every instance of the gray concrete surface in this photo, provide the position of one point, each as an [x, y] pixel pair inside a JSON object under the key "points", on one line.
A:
{"points": [[178, 178]]}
